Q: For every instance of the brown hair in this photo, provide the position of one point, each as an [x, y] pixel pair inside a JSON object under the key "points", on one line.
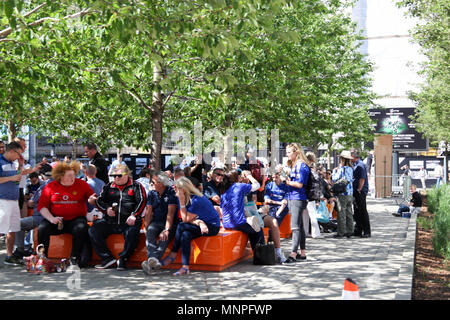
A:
{"points": [[60, 169]]}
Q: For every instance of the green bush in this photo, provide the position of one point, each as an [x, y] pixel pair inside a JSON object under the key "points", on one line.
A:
{"points": [[425, 223], [433, 199], [441, 222]]}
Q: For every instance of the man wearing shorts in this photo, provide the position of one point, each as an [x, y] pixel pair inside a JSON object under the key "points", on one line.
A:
{"points": [[9, 195]]}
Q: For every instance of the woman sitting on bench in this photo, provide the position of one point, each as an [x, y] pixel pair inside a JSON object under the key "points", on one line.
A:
{"points": [[199, 218], [232, 205]]}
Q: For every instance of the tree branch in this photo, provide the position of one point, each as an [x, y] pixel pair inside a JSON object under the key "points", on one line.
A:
{"points": [[6, 32]]}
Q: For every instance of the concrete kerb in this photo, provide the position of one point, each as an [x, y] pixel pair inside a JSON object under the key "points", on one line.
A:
{"points": [[405, 278]]}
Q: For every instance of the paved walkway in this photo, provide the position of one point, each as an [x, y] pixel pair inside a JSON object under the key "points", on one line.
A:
{"points": [[382, 266]]}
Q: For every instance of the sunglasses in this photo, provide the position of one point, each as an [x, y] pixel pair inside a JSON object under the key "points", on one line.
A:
{"points": [[117, 175], [219, 174]]}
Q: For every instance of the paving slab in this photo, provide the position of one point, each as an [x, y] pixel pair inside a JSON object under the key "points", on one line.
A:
{"points": [[382, 266]]}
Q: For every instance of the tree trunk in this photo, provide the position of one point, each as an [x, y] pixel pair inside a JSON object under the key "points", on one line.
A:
{"points": [[12, 130], [446, 163], [157, 112]]}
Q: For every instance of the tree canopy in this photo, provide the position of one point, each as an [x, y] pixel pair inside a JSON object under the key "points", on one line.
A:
{"points": [[125, 73]]}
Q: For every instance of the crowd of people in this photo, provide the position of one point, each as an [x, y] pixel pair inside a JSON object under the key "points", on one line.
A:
{"points": [[180, 204]]}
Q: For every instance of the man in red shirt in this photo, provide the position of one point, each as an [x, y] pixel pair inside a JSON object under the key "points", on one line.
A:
{"points": [[63, 206]]}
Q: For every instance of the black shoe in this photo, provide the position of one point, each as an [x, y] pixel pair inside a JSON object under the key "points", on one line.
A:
{"points": [[106, 264], [348, 235], [397, 214], [300, 257], [337, 236], [19, 254], [367, 235], [290, 260], [14, 261], [355, 234], [121, 264], [73, 261]]}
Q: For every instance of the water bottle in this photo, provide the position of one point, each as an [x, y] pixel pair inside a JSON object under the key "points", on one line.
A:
{"points": [[18, 172]]}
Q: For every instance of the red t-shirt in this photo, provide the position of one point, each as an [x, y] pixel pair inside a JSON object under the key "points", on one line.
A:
{"points": [[66, 202]]}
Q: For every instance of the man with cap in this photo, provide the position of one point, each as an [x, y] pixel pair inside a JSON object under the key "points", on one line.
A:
{"points": [[360, 190]]}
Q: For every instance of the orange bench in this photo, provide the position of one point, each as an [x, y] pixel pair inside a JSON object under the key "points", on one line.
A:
{"points": [[285, 228], [214, 253]]}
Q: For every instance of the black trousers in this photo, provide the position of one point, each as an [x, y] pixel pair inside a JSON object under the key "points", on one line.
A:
{"points": [[360, 214], [77, 227], [100, 231]]}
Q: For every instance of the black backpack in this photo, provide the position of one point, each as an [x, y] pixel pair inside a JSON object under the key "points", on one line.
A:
{"points": [[313, 188]]}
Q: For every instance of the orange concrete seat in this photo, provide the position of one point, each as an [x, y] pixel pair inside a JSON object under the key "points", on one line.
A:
{"points": [[285, 228], [214, 253]]}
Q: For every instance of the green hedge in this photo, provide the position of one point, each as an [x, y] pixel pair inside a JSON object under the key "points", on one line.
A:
{"points": [[439, 204]]}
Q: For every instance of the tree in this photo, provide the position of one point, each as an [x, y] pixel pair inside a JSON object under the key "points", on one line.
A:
{"points": [[432, 33]]}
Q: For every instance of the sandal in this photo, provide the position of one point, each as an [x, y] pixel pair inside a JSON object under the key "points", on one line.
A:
{"points": [[182, 271], [167, 260]]}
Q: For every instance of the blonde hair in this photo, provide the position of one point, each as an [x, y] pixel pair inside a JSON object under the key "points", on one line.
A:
{"points": [[186, 185], [300, 154], [60, 169], [122, 168]]}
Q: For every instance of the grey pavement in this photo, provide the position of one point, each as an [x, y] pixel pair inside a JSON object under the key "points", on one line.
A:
{"points": [[382, 266]]}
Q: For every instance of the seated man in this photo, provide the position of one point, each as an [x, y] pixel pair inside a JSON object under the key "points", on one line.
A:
{"points": [[29, 223], [122, 203], [161, 219], [413, 206], [33, 186], [212, 188]]}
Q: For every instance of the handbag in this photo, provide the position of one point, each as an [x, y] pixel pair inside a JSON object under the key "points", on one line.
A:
{"points": [[340, 186], [322, 213], [264, 254]]}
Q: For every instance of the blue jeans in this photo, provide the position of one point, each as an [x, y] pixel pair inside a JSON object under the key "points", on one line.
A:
{"points": [[403, 208], [185, 233], [253, 236], [438, 182], [296, 208], [156, 248]]}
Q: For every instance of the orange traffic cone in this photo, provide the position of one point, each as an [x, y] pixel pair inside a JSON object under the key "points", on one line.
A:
{"points": [[350, 291]]}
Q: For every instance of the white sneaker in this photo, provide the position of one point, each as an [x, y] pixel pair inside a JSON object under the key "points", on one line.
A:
{"points": [[154, 263], [281, 259], [254, 222], [146, 268]]}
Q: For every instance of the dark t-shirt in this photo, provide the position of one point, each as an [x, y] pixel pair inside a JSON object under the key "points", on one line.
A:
{"points": [[416, 199], [160, 205], [358, 173]]}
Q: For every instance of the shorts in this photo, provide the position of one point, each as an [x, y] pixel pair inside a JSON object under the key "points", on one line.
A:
{"points": [[9, 216]]}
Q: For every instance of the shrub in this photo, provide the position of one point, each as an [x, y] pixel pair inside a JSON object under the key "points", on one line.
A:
{"points": [[441, 223], [425, 223], [433, 199]]}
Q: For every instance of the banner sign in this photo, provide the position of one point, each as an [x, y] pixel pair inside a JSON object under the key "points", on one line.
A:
{"points": [[397, 122]]}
